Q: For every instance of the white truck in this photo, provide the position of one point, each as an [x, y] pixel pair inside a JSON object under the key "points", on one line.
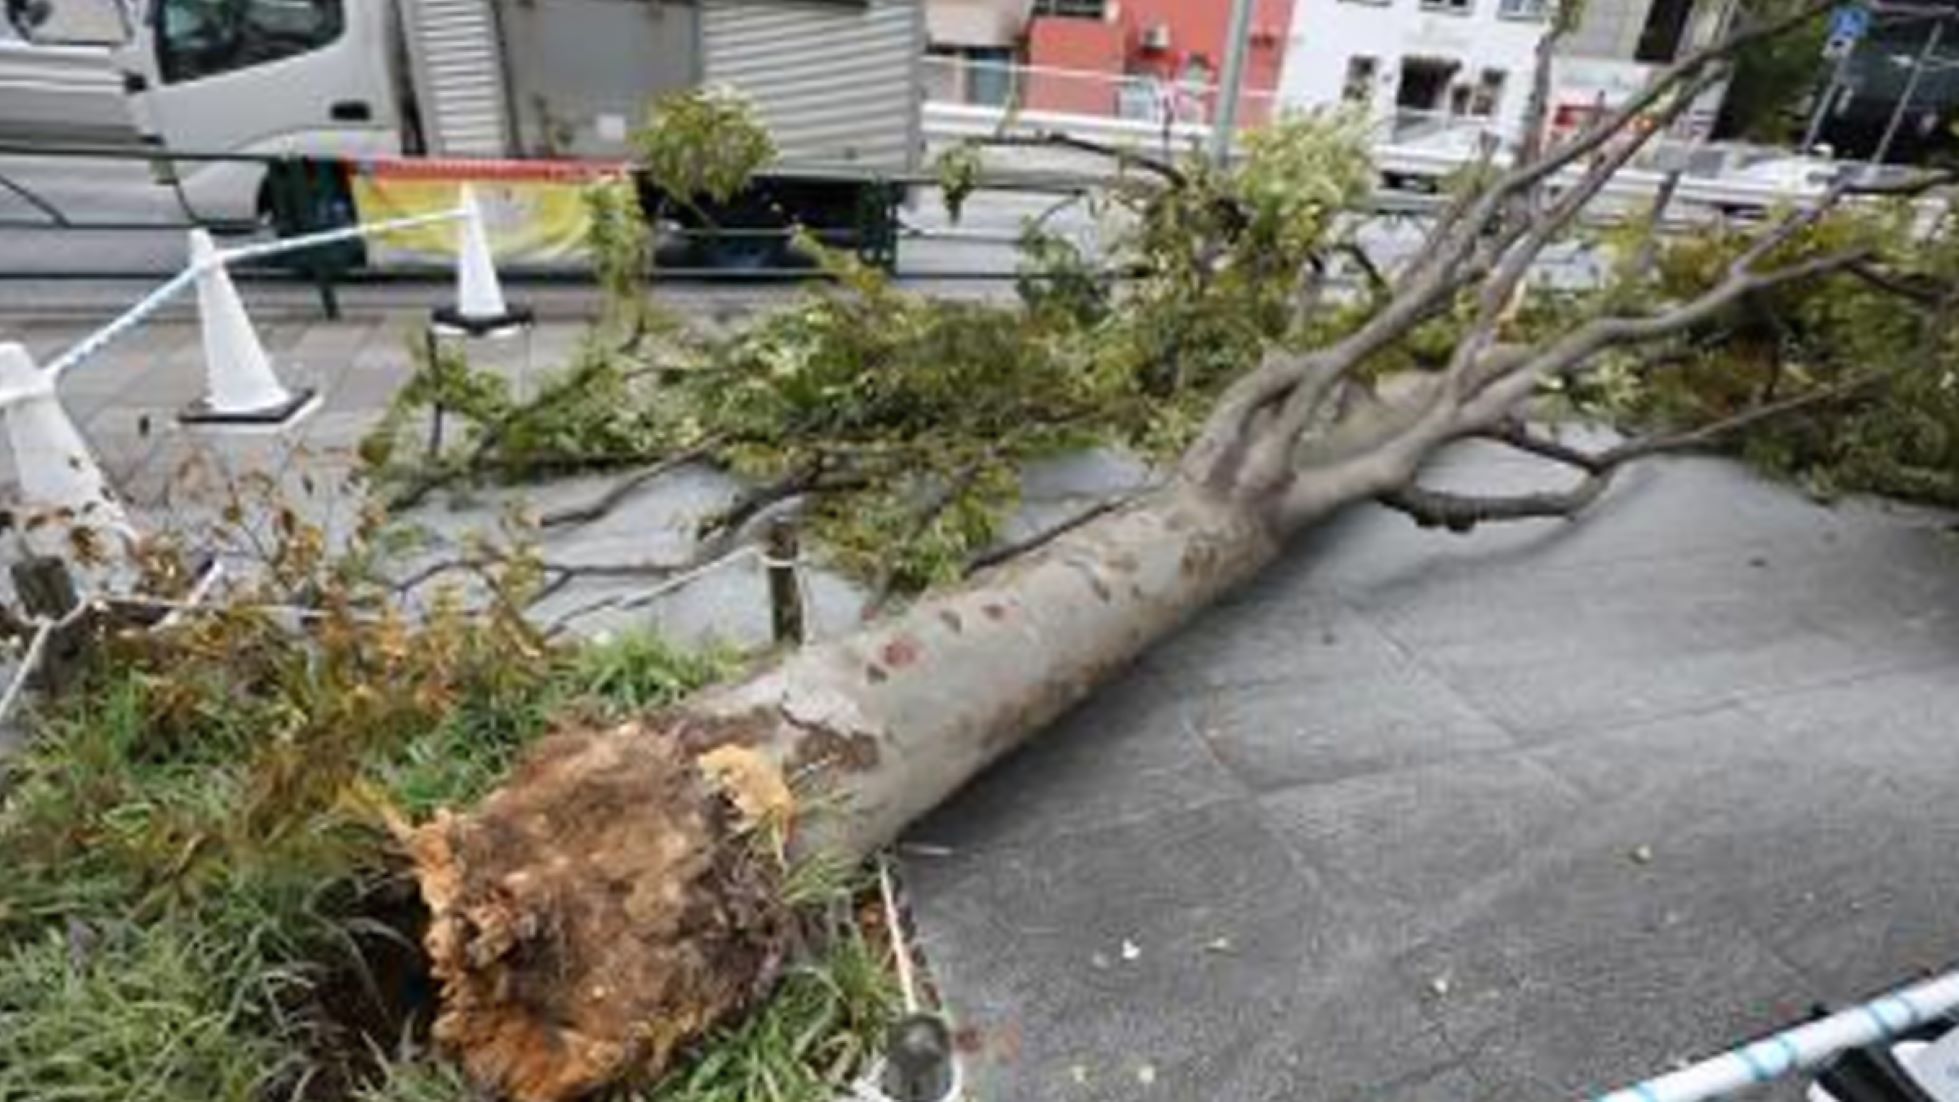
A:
{"points": [[836, 81]]}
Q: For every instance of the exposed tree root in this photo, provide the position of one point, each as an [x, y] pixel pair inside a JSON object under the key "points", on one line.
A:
{"points": [[639, 913]]}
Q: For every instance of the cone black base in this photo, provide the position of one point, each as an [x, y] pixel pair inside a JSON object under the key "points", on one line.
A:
{"points": [[201, 413], [450, 321]]}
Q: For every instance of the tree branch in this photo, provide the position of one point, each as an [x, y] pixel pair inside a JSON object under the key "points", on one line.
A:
{"points": [[1460, 512], [1896, 284], [1591, 138], [751, 503], [707, 558], [623, 489], [994, 556], [1924, 181], [1529, 172], [1642, 260], [1514, 434], [1796, 222], [1709, 433], [1224, 457], [1572, 351], [935, 507], [1463, 512], [1377, 283], [1051, 139], [1521, 248]]}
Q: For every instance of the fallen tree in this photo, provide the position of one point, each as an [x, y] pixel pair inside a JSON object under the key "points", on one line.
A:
{"points": [[618, 894]]}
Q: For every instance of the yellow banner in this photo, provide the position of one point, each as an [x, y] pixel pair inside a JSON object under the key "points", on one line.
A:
{"points": [[529, 221]]}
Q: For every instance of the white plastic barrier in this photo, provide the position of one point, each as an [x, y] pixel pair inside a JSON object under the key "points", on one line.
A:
{"points": [[480, 309], [52, 462], [1804, 1047], [240, 387], [57, 472]]}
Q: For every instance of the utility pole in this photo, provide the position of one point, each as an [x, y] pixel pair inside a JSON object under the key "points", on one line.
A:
{"points": [[1237, 41], [1911, 89]]}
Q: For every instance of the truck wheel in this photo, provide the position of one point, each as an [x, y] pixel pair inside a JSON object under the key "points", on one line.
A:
{"points": [[305, 197]]}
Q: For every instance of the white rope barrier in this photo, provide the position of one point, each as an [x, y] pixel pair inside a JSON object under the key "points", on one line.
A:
{"points": [[28, 663], [900, 952], [95, 342], [329, 237], [129, 319], [44, 630], [194, 600], [641, 598]]}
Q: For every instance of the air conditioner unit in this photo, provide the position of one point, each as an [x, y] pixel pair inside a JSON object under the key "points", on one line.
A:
{"points": [[1157, 38]]}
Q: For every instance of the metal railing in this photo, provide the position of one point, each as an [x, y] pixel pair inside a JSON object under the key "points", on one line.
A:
{"points": [[1143, 99], [307, 194]]}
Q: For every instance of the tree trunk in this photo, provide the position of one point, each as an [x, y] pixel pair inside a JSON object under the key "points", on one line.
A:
{"points": [[623, 891], [901, 714], [605, 906]]}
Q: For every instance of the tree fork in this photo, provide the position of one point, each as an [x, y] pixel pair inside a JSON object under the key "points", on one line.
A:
{"points": [[614, 899]]}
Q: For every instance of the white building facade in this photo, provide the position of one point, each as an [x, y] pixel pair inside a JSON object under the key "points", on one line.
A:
{"points": [[1415, 60], [1419, 64]]}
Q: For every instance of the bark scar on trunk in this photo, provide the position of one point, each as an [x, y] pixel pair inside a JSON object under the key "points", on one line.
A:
{"points": [[597, 912]]}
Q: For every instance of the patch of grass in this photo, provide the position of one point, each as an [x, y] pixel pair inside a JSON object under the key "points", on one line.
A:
{"points": [[816, 1031], [202, 900], [417, 1079], [639, 672], [133, 1015]]}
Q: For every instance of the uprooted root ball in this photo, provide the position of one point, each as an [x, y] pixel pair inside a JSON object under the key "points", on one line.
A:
{"points": [[600, 910]]}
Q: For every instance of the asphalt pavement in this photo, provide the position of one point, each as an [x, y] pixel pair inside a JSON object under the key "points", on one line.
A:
{"points": [[1524, 815]]}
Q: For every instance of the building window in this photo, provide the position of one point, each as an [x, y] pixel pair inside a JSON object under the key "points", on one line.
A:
{"points": [[1523, 9], [1359, 86], [1666, 26], [1453, 7], [1071, 9], [1425, 82], [1488, 93]]}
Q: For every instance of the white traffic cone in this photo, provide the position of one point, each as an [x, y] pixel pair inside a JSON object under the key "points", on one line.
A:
{"points": [[480, 310], [57, 475], [240, 388]]}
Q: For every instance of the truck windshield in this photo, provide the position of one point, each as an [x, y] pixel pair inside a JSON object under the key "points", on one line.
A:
{"points": [[201, 38]]}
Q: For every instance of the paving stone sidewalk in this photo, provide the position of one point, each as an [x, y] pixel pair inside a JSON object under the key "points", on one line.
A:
{"points": [[1524, 815]]}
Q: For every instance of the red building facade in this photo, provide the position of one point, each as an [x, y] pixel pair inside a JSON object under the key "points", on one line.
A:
{"points": [[1173, 51]]}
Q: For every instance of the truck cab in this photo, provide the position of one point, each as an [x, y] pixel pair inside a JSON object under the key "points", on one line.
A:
{"points": [[210, 81], [245, 77], [259, 77]]}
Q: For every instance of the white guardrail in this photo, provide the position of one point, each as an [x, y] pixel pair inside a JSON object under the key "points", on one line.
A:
{"points": [[945, 123]]}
